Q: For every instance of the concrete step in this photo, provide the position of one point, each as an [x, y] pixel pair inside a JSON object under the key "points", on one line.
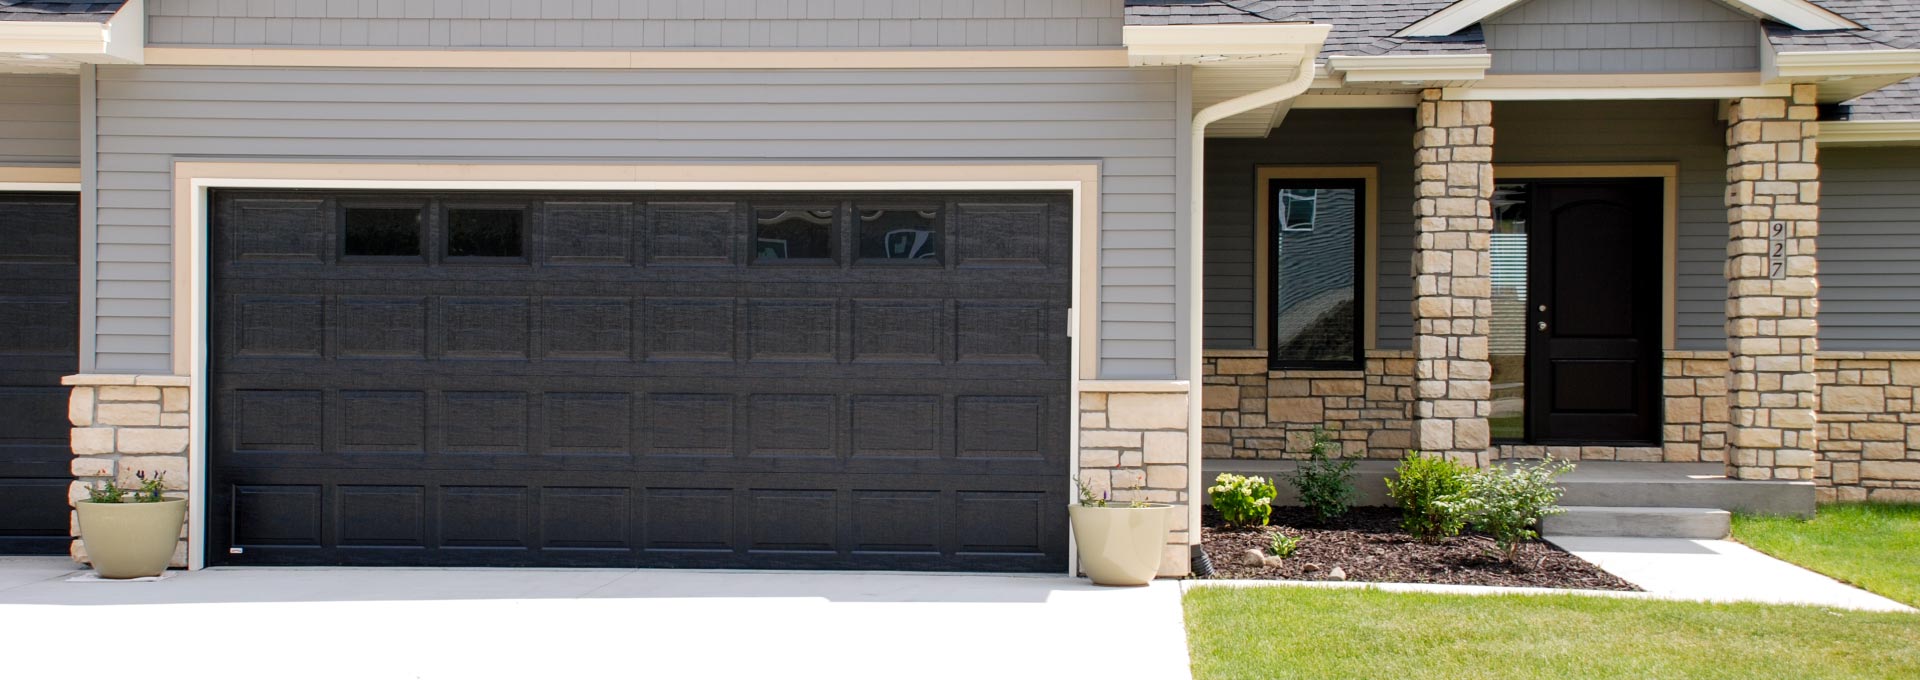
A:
{"points": [[1682, 485], [1655, 522]]}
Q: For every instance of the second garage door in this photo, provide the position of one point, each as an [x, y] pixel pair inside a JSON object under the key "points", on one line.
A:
{"points": [[874, 381]]}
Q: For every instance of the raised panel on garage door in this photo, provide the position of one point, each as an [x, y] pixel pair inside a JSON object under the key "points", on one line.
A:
{"points": [[39, 334], [780, 380]]}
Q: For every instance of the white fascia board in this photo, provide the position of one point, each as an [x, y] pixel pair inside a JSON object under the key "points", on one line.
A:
{"points": [[1799, 14], [1615, 93], [120, 40], [1870, 133], [1223, 40], [1411, 68], [1842, 63]]}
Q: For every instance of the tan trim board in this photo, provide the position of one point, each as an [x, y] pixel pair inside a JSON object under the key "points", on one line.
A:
{"points": [[1627, 80], [33, 174], [1116, 386], [1670, 217], [1616, 93], [1869, 132], [1369, 266], [638, 59]]}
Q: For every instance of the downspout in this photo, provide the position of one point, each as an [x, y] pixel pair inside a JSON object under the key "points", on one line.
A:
{"points": [[1196, 256]]}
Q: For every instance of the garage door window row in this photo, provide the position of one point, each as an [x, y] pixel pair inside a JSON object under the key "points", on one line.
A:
{"points": [[585, 231]]}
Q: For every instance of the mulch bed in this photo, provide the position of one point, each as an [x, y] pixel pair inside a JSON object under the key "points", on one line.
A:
{"points": [[1368, 545]]}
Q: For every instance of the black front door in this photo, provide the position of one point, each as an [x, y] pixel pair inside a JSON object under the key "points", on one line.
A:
{"points": [[794, 380], [1594, 312], [39, 333]]}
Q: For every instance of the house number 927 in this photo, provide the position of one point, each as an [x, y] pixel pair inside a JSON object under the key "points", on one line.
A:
{"points": [[1777, 250]]}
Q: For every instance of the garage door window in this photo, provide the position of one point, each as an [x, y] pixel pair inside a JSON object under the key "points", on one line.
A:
{"points": [[793, 235], [486, 232], [380, 232], [900, 235]]}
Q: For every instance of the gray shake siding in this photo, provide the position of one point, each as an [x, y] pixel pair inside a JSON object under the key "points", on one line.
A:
{"points": [[1623, 36], [1870, 249], [1686, 133], [1125, 119], [42, 114], [636, 24]]}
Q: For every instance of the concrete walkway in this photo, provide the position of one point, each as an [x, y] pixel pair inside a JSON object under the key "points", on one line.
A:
{"points": [[1718, 571], [525, 623]]}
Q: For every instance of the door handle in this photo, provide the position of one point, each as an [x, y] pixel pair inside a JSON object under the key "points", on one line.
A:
{"points": [[1543, 325]]}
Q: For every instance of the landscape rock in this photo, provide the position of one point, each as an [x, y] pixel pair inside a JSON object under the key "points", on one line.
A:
{"points": [[1337, 574], [1253, 558]]}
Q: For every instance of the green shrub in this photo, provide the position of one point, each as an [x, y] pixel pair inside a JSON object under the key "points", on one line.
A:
{"points": [[1325, 485], [1418, 484], [1242, 501], [1284, 545], [1506, 502]]}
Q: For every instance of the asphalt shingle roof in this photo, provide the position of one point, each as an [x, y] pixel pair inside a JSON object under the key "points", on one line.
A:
{"points": [[57, 10], [1360, 27]]}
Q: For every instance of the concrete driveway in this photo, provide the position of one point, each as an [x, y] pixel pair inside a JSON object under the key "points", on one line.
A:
{"points": [[522, 623]]}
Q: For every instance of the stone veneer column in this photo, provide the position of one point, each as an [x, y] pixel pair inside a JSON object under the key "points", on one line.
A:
{"points": [[1773, 177], [1133, 445], [1452, 304], [124, 424]]}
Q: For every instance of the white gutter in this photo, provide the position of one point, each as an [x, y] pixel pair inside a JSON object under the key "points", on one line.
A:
{"points": [[1196, 258]]}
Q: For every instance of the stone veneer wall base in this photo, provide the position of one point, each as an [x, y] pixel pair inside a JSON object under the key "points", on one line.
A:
{"points": [[124, 425], [1133, 446]]}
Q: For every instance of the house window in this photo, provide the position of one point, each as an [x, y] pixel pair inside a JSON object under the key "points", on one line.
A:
{"points": [[1316, 229]]}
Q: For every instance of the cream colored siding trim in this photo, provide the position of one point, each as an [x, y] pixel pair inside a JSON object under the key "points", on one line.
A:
{"points": [[1110, 386], [193, 179], [649, 59], [1669, 173], [1262, 261], [1636, 92], [53, 178], [1869, 133]]}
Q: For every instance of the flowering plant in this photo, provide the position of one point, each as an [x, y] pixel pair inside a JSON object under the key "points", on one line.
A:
{"points": [[1242, 501]]}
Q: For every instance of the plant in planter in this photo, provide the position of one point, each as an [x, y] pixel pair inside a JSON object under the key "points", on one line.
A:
{"points": [[1118, 545], [131, 533]]}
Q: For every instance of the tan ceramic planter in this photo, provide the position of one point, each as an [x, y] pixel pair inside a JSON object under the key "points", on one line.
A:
{"points": [[1120, 546], [131, 540]]}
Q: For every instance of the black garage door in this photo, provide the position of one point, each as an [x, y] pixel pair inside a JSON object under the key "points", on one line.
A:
{"points": [[875, 381], [39, 330]]}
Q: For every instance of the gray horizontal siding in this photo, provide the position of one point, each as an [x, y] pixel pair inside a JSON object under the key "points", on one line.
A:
{"points": [[636, 24], [1124, 118], [1686, 133], [1623, 36], [1870, 249], [42, 114], [1381, 138]]}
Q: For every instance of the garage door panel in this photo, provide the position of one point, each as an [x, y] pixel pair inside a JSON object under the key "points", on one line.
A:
{"points": [[719, 380], [39, 343]]}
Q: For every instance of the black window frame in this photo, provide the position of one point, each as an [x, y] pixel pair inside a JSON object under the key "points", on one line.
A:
{"points": [[443, 248], [836, 233], [1362, 223], [423, 229]]}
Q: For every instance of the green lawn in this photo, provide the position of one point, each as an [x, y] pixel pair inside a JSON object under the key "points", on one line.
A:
{"points": [[1352, 633], [1872, 545]]}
